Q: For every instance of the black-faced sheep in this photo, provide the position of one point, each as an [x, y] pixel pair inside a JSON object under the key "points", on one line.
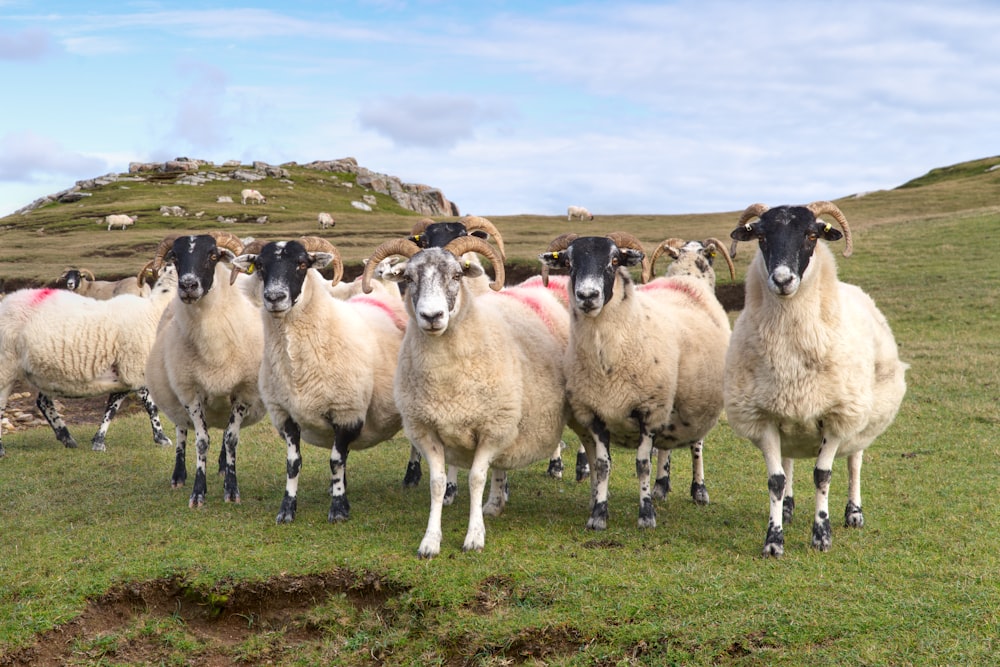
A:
{"points": [[82, 282], [813, 369], [73, 346], [328, 365], [644, 364]]}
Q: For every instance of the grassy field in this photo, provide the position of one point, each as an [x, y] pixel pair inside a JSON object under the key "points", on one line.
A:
{"points": [[103, 564]]}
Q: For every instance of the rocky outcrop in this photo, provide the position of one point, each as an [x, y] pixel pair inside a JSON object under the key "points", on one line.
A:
{"points": [[422, 199]]}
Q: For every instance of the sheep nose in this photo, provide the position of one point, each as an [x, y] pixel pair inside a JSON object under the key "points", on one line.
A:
{"points": [[588, 294], [187, 283], [433, 317]]}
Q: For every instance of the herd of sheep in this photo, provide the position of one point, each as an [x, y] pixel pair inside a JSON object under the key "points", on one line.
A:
{"points": [[218, 333]]}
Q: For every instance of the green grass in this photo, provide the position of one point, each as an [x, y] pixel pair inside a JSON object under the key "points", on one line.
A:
{"points": [[916, 586]]}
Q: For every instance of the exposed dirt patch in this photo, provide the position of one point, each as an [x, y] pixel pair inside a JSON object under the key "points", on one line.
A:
{"points": [[21, 412], [218, 619]]}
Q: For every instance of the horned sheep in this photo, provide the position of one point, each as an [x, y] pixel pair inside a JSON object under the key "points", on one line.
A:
{"points": [[204, 365], [813, 369], [83, 282], [74, 346], [328, 365], [644, 364], [479, 382]]}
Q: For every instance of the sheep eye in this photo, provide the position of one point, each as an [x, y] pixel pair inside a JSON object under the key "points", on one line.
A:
{"points": [[614, 261], [303, 266]]}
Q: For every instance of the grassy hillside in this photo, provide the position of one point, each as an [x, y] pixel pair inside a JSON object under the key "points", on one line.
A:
{"points": [[35, 247]]}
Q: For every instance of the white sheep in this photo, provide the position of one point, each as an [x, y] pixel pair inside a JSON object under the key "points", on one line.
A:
{"points": [[202, 370], [479, 381], [328, 364], [248, 194], [578, 212], [644, 365], [74, 346], [325, 220], [813, 369], [120, 220], [82, 282]]}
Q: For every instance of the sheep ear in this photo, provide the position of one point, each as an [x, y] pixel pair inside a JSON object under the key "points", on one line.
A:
{"points": [[227, 255], [555, 260], [480, 233], [631, 256], [471, 269], [245, 263], [746, 232], [827, 231], [320, 259], [394, 273]]}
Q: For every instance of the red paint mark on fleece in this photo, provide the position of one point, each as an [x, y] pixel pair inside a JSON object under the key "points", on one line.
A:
{"points": [[557, 285], [677, 286], [40, 295], [526, 297], [381, 305]]}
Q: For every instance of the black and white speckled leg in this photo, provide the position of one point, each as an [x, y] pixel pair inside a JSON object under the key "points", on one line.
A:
{"points": [[55, 420]]}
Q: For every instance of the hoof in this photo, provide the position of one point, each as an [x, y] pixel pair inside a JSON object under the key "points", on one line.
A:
{"points": [[699, 494]]}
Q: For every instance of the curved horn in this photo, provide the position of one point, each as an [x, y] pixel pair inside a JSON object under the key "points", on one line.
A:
{"points": [[675, 243], [558, 244], [140, 279], [819, 208], [320, 244], [404, 247], [227, 240], [626, 240], [725, 255], [161, 250], [475, 222], [463, 244], [752, 211], [86, 273]]}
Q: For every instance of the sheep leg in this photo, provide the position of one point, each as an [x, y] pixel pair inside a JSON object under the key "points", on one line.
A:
{"points": [[788, 505], [433, 451], [475, 537], [662, 485], [499, 492], [114, 402], [413, 473], [582, 464], [340, 509], [55, 420], [230, 442], [293, 465], [853, 518], [600, 474], [699, 492], [556, 463], [769, 444], [451, 489], [159, 437], [200, 488], [180, 459], [822, 535], [647, 512]]}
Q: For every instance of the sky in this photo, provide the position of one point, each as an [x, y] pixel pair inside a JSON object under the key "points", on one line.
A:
{"points": [[509, 107]]}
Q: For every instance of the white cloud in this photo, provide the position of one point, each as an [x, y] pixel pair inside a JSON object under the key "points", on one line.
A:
{"points": [[430, 121], [26, 45], [26, 157]]}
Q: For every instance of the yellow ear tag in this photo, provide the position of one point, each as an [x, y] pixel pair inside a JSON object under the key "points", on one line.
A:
{"points": [[249, 269], [555, 255], [826, 230], [468, 263], [712, 254], [417, 237]]}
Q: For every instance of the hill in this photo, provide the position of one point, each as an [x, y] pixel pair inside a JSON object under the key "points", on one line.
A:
{"points": [[40, 240]]}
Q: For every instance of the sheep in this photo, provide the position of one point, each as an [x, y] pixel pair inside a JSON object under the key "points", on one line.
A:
{"points": [[813, 369], [479, 380], [690, 258], [578, 212], [74, 346], [643, 366], [325, 220], [120, 220], [248, 194], [82, 282], [203, 368], [328, 365]]}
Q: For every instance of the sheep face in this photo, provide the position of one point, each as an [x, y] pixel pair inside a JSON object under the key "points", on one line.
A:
{"points": [[73, 279], [195, 258], [594, 262], [439, 234], [282, 266], [433, 279], [786, 236]]}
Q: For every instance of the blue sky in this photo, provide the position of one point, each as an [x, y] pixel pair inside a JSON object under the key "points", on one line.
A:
{"points": [[509, 107]]}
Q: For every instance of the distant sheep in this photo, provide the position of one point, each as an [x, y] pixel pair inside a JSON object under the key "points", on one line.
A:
{"points": [[325, 220], [120, 220], [252, 196], [82, 282], [578, 212]]}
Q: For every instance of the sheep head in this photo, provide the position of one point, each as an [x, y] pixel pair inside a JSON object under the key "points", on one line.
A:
{"points": [[595, 264], [676, 248]]}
